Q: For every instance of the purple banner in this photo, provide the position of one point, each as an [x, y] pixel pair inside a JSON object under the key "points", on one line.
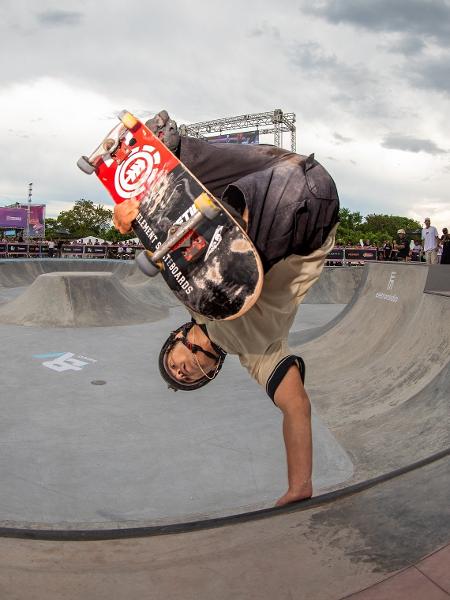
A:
{"points": [[36, 228], [243, 137], [16, 218]]}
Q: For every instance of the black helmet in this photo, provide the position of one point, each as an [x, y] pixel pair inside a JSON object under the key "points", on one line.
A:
{"points": [[173, 383]]}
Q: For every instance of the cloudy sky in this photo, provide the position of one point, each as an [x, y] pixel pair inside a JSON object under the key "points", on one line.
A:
{"points": [[368, 80]]}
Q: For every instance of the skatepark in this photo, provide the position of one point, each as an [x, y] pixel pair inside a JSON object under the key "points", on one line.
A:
{"points": [[111, 482]]}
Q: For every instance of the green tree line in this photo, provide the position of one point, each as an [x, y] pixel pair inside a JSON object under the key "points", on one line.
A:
{"points": [[353, 227], [83, 220], [87, 219]]}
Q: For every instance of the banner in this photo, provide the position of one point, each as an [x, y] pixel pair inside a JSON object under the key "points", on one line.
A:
{"points": [[91, 249], [17, 248], [67, 249], [361, 253], [336, 254], [15, 218], [36, 226], [243, 137]]}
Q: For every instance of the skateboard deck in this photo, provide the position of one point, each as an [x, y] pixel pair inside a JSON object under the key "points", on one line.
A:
{"points": [[201, 251]]}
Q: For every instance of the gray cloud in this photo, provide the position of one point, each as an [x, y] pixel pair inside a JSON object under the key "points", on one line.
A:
{"points": [[350, 87], [313, 59], [429, 18], [431, 73], [341, 139], [58, 17], [265, 30], [395, 141], [407, 45]]}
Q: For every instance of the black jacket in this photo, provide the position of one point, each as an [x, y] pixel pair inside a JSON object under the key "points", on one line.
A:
{"points": [[292, 200]]}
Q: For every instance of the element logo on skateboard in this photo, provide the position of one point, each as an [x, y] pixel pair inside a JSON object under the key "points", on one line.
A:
{"points": [[136, 172]]}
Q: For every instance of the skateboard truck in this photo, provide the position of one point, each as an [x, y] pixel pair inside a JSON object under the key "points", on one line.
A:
{"points": [[151, 265], [111, 144]]}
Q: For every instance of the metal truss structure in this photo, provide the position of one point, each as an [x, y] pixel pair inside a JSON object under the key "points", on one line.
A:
{"points": [[275, 122]]}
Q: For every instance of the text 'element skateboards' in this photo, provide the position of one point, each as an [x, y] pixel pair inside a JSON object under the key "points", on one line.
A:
{"points": [[205, 257]]}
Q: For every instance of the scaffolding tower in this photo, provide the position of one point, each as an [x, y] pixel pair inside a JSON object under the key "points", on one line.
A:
{"points": [[275, 122]]}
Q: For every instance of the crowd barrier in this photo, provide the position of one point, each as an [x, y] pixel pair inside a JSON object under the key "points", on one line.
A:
{"points": [[348, 256], [337, 257], [37, 250]]}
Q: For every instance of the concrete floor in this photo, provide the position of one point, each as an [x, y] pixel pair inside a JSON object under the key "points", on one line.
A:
{"points": [[104, 447]]}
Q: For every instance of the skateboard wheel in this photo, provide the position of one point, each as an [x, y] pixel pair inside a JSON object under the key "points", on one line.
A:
{"points": [[206, 206], [128, 119], [84, 164], [145, 264]]}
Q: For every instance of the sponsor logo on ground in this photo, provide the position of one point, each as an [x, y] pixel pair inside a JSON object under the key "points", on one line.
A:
{"points": [[390, 287], [64, 361]]}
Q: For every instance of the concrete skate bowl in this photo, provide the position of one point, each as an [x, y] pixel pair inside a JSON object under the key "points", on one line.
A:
{"points": [[74, 293], [104, 451]]}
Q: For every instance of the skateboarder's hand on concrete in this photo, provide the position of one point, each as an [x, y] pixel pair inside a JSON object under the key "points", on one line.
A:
{"points": [[124, 215], [302, 494]]}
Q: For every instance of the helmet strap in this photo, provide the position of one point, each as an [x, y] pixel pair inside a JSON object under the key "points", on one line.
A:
{"points": [[194, 352]]}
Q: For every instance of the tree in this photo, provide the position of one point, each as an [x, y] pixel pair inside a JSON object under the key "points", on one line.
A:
{"points": [[390, 224], [349, 230], [350, 220], [353, 227], [51, 227], [85, 219], [112, 235]]}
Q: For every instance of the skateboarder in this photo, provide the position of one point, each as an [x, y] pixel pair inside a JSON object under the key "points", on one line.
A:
{"points": [[289, 205]]}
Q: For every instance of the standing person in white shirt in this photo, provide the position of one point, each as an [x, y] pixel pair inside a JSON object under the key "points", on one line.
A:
{"points": [[51, 249], [430, 239]]}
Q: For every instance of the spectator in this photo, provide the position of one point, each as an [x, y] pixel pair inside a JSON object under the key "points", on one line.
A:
{"points": [[430, 240], [445, 243], [387, 250], [51, 249], [402, 246], [416, 251]]}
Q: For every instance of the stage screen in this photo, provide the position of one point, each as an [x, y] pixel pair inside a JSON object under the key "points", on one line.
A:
{"points": [[37, 220], [13, 217], [243, 137]]}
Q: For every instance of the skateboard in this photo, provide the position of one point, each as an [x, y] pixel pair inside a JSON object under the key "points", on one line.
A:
{"points": [[198, 246]]}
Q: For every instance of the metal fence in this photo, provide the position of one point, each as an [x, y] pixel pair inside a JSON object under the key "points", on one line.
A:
{"points": [[337, 257], [38, 250]]}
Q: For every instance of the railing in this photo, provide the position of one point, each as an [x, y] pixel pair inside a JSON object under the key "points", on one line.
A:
{"points": [[351, 256], [38, 250], [337, 257]]}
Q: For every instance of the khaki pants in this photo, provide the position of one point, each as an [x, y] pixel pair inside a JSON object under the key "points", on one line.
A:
{"points": [[431, 257]]}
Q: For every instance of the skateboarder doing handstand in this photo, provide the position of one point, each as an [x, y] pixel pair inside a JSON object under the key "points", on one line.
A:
{"points": [[289, 206]]}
